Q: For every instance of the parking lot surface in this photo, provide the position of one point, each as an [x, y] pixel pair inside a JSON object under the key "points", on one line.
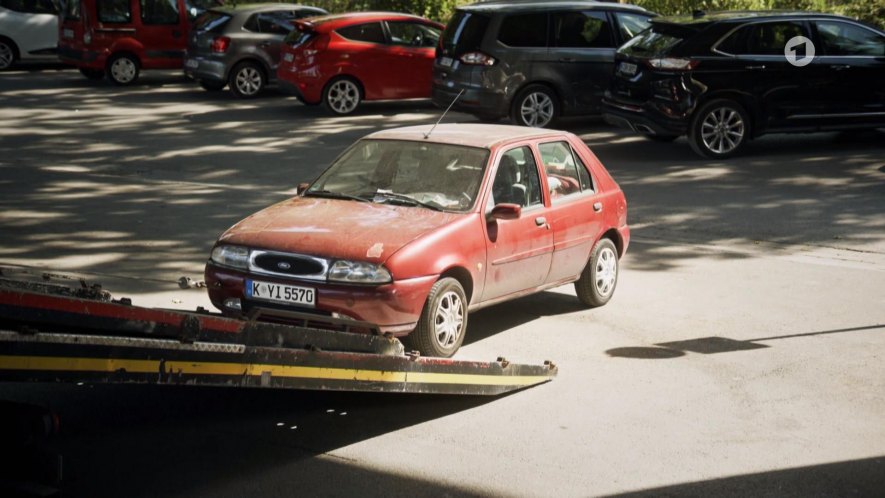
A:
{"points": [[743, 352]]}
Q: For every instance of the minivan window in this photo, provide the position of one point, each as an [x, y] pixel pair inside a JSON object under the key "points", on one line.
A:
{"points": [[770, 38], [524, 30], [464, 32], [631, 25], [369, 32], [72, 10], [159, 12], [842, 38], [114, 11], [582, 30]]}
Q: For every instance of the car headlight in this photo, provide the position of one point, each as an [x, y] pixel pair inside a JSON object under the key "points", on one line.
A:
{"points": [[232, 256], [357, 272]]}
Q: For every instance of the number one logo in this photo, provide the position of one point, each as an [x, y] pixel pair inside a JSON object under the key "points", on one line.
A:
{"points": [[791, 52]]}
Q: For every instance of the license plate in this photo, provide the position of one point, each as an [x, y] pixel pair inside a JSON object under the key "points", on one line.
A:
{"points": [[627, 68], [192, 63], [445, 61], [281, 293], [288, 57], [67, 33]]}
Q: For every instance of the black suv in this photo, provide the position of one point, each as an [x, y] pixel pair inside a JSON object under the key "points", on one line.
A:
{"points": [[533, 61], [724, 78]]}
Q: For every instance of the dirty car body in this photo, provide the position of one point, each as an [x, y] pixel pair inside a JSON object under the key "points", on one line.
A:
{"points": [[411, 232]]}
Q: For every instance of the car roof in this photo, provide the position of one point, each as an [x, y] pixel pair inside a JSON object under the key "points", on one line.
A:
{"points": [[701, 18], [261, 7], [339, 20], [484, 136], [494, 6]]}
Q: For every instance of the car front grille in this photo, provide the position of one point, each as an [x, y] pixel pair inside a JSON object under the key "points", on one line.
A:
{"points": [[289, 265]]}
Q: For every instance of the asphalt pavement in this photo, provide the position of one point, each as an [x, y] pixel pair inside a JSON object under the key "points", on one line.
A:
{"points": [[743, 353]]}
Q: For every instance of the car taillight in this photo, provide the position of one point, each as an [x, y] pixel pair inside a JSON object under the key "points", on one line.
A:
{"points": [[220, 44], [673, 64], [477, 59]]}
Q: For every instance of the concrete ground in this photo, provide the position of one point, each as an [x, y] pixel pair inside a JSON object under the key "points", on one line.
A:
{"points": [[742, 355]]}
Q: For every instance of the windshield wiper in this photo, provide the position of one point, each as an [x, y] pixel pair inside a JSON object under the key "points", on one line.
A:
{"points": [[335, 195], [407, 199]]}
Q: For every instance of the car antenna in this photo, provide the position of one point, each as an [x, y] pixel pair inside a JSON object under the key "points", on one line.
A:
{"points": [[427, 135]]}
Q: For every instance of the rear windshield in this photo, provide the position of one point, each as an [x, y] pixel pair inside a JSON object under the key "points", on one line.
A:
{"points": [[299, 36], [464, 33], [211, 22], [72, 10], [658, 41]]}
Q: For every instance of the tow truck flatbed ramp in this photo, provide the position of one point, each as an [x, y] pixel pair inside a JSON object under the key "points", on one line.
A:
{"points": [[52, 333]]}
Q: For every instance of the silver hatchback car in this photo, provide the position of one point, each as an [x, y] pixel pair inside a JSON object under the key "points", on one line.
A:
{"points": [[240, 46]]}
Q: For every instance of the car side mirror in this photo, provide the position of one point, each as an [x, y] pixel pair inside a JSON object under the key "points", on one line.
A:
{"points": [[505, 211], [302, 187]]}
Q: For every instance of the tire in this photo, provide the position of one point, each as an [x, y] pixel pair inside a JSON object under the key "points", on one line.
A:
{"points": [[92, 74], [600, 277], [247, 80], [8, 54], [342, 95], [719, 129], [123, 69], [535, 106], [661, 138], [213, 86], [446, 303]]}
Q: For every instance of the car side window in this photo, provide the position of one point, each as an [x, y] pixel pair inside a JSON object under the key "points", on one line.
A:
{"points": [[516, 180], [524, 30], [842, 38], [114, 11], [770, 38], [159, 11], [582, 30], [274, 23], [413, 34], [630, 25], [369, 32], [566, 173]]}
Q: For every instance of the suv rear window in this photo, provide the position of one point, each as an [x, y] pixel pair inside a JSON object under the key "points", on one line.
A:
{"points": [[658, 41], [464, 33], [524, 30]]}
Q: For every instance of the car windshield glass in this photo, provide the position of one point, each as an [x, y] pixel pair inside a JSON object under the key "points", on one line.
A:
{"points": [[657, 41], [464, 33], [430, 175]]}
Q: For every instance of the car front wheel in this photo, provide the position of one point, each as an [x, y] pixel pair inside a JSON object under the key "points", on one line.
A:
{"points": [[719, 129], [443, 321], [600, 277], [123, 69]]}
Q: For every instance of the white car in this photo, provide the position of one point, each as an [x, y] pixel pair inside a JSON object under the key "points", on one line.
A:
{"points": [[28, 31]]}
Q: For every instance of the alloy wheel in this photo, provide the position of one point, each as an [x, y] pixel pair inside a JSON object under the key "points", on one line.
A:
{"points": [[6, 55], [448, 320], [606, 271], [722, 130], [343, 96], [249, 81], [536, 109]]}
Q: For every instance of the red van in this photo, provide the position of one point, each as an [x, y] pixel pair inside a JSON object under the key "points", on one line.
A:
{"points": [[119, 38]]}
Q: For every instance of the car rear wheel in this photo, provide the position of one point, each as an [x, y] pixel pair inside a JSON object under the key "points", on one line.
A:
{"points": [[443, 321], [123, 69], [535, 106], [600, 277], [92, 74], [246, 80], [7, 54], [213, 86], [719, 129], [342, 95]]}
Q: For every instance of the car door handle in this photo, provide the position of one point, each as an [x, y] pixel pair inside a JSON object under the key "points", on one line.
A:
{"points": [[756, 68], [541, 221], [597, 206], [839, 67]]}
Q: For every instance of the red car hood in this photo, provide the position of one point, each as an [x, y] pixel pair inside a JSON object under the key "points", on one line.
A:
{"points": [[337, 229]]}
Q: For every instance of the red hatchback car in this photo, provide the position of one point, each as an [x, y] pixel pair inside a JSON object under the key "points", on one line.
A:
{"points": [[341, 60], [410, 229]]}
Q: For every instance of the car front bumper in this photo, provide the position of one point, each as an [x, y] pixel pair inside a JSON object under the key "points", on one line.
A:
{"points": [[394, 307]]}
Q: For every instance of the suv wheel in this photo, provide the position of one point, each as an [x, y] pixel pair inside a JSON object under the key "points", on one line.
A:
{"points": [[719, 129], [342, 95], [7, 54], [535, 106], [246, 80], [123, 69]]}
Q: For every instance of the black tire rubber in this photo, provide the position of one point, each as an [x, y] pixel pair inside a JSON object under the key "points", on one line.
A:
{"points": [[232, 79], [661, 138], [515, 106], [422, 338], [212, 86], [327, 90], [694, 132], [585, 287], [116, 58], [13, 49], [92, 74]]}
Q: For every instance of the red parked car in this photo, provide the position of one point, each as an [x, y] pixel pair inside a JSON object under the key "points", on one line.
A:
{"points": [[411, 231], [341, 60]]}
